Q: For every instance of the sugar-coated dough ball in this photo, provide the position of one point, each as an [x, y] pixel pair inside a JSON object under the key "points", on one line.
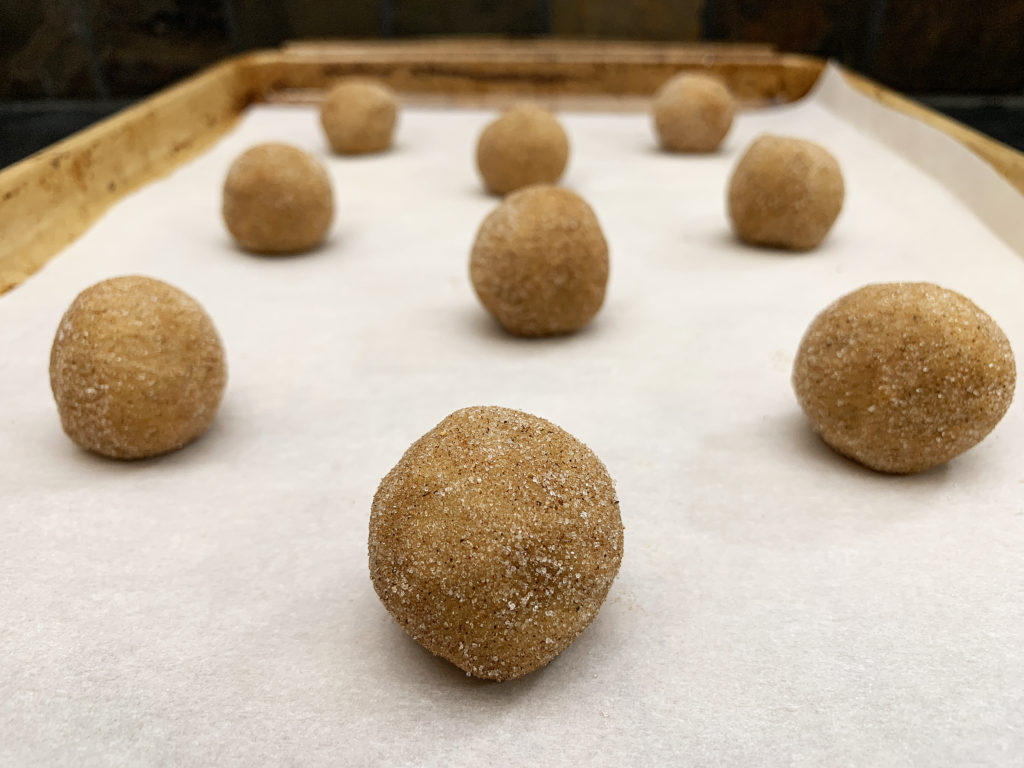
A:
{"points": [[358, 116], [540, 262], [693, 113], [785, 193], [904, 376], [137, 368], [277, 199], [525, 145], [494, 541]]}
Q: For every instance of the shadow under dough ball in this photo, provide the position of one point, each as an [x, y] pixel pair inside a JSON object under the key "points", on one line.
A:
{"points": [[540, 262], [358, 116], [525, 145], [785, 193], [277, 199], [693, 113], [494, 541], [904, 376], [137, 368]]}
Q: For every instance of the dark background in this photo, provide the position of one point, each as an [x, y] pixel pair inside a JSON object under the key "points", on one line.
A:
{"points": [[64, 63]]}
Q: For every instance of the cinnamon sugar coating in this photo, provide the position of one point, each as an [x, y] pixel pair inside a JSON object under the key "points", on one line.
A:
{"points": [[358, 116], [692, 113], [785, 193], [525, 145], [137, 368], [540, 262], [277, 199], [494, 541], [904, 376]]}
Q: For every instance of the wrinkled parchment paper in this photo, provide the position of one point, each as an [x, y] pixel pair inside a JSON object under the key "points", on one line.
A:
{"points": [[777, 605]]}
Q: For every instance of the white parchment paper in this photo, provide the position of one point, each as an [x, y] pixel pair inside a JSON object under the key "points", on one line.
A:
{"points": [[777, 605]]}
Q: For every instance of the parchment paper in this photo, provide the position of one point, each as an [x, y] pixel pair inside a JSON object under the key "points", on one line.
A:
{"points": [[777, 604]]}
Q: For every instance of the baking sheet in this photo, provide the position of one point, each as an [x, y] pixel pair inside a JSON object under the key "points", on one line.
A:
{"points": [[777, 604]]}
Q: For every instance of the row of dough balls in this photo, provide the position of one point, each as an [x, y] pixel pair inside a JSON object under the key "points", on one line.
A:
{"points": [[784, 192], [901, 377]]}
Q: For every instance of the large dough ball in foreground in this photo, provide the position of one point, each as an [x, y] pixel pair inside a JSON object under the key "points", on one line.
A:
{"points": [[137, 368], [693, 113], [494, 541], [904, 376], [540, 262], [526, 145], [359, 116], [277, 199], [785, 193]]}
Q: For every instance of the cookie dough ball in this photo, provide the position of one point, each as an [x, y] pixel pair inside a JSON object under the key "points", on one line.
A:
{"points": [[540, 262], [137, 368], [526, 145], [904, 376], [785, 193], [359, 116], [277, 199], [693, 113], [494, 540]]}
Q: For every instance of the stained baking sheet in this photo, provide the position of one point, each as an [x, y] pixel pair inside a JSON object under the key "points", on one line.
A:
{"points": [[777, 604]]}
